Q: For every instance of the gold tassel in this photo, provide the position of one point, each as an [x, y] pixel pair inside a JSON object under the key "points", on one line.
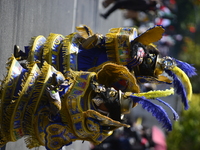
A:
{"points": [[50, 43], [33, 44]]}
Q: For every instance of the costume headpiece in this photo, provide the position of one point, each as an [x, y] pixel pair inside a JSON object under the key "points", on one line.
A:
{"points": [[164, 70], [179, 71]]}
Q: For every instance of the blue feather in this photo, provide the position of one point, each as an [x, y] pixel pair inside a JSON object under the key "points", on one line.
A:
{"points": [[176, 116], [187, 68], [180, 90], [157, 111]]}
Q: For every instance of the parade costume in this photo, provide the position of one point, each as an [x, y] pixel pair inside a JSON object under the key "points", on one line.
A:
{"points": [[79, 87], [85, 51]]}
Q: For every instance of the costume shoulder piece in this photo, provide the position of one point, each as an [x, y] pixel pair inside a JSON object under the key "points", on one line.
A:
{"points": [[79, 114]]}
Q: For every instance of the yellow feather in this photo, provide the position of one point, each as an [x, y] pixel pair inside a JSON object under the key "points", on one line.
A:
{"points": [[155, 94], [186, 81], [151, 35]]}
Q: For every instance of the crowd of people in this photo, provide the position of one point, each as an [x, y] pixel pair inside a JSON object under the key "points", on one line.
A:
{"points": [[137, 137]]}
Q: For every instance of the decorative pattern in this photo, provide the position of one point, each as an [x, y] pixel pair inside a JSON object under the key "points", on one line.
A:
{"points": [[118, 44], [25, 108], [58, 135]]}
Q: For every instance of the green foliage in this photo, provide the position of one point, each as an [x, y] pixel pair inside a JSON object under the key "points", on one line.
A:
{"points": [[190, 54], [185, 14], [186, 131], [190, 51], [189, 19]]}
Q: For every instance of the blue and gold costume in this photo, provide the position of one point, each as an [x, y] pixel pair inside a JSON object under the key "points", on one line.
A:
{"points": [[25, 109], [72, 84]]}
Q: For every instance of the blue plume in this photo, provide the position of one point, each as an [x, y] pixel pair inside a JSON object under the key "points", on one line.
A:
{"points": [[180, 90], [187, 68], [157, 111], [176, 116]]}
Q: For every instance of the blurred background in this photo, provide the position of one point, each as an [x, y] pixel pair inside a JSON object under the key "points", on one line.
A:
{"points": [[23, 19]]}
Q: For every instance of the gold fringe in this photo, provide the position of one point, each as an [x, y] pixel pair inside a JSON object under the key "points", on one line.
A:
{"points": [[111, 46], [49, 45], [31, 142], [45, 74], [31, 109], [25, 84], [4, 103], [33, 43], [8, 65], [67, 50]]}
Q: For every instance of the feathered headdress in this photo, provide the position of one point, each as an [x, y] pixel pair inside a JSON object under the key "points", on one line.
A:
{"points": [[157, 111], [180, 73], [146, 98]]}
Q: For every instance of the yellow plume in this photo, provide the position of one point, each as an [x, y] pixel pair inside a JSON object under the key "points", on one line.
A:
{"points": [[154, 94], [184, 78]]}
